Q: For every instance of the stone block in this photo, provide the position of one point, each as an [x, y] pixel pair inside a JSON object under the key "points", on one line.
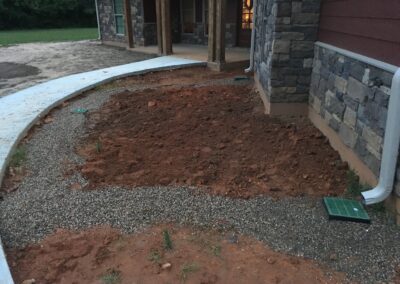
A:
{"points": [[331, 81], [296, 7], [304, 80], [365, 78], [284, 9], [283, 21], [321, 87], [308, 63], [357, 70], [349, 102], [357, 90], [305, 18], [348, 136], [340, 84], [373, 140], [281, 46], [316, 104], [302, 46], [334, 105], [350, 118], [311, 7], [283, 90], [317, 66], [384, 76], [381, 98], [290, 35], [290, 80], [334, 123]]}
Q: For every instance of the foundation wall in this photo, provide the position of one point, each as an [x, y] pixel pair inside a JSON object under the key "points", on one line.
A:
{"points": [[348, 102]]}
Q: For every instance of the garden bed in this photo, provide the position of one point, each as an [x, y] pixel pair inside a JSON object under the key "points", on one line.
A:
{"points": [[213, 137]]}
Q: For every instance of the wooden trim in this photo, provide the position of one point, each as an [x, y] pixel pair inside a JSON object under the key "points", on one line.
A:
{"points": [[128, 23], [159, 27], [220, 27], [211, 30], [166, 27]]}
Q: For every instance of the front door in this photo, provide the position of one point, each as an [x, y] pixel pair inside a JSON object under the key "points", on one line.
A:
{"points": [[245, 22]]}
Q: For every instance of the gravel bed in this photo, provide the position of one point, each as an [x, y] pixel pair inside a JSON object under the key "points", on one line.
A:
{"points": [[298, 226]]}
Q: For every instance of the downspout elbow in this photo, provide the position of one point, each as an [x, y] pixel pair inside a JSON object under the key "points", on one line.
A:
{"points": [[390, 148], [253, 36]]}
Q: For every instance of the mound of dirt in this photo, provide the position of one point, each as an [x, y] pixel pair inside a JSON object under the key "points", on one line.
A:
{"points": [[103, 255], [213, 137]]}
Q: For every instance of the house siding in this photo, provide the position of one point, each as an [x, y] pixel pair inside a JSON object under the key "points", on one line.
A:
{"points": [[145, 33], [368, 27], [350, 95]]}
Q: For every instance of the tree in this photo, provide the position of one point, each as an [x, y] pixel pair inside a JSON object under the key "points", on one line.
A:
{"points": [[16, 14]]}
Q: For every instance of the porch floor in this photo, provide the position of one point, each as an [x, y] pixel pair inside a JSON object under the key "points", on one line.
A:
{"points": [[236, 55]]}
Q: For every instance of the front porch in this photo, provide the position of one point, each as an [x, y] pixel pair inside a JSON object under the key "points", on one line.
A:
{"points": [[205, 30], [235, 57]]}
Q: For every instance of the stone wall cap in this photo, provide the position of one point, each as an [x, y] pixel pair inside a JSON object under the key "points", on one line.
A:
{"points": [[371, 61]]}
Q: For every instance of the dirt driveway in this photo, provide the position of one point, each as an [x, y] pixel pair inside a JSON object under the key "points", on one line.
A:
{"points": [[25, 65]]}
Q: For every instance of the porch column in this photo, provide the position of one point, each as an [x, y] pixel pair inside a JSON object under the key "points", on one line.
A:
{"points": [[128, 23], [216, 34], [164, 35]]}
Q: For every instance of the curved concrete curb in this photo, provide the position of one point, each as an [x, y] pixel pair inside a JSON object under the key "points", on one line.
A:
{"points": [[21, 110]]}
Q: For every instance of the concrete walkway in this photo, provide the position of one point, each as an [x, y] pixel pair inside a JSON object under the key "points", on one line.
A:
{"points": [[21, 110]]}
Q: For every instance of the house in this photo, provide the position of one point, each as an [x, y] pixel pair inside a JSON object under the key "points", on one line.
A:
{"points": [[333, 61], [189, 21]]}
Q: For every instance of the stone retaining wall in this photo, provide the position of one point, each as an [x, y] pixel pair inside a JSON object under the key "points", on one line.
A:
{"points": [[286, 32], [352, 97]]}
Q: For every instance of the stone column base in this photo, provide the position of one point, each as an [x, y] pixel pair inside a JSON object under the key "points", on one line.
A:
{"points": [[215, 66], [280, 109]]}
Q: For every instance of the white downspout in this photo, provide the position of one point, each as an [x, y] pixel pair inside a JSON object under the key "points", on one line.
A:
{"points": [[98, 20], [253, 36], [390, 148]]}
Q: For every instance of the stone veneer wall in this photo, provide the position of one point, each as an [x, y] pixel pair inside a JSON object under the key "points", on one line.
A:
{"points": [[352, 97], [199, 36], [286, 31], [107, 22]]}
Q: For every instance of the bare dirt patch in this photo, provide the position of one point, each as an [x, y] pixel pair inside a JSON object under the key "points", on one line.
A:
{"points": [[104, 255], [9, 70], [215, 137]]}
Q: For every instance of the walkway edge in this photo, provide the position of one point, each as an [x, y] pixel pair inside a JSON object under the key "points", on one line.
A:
{"points": [[21, 110]]}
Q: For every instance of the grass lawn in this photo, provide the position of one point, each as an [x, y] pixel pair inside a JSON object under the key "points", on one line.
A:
{"points": [[47, 35]]}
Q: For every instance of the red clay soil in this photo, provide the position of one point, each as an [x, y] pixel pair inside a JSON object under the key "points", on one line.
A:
{"points": [[103, 255], [214, 137]]}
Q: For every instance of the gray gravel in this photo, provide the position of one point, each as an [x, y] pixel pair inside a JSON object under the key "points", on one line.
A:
{"points": [[299, 226]]}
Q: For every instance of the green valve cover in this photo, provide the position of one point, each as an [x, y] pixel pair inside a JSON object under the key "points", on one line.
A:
{"points": [[346, 209], [80, 110]]}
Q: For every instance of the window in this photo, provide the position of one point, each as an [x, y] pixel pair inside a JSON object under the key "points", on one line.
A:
{"points": [[188, 15], [247, 15], [119, 17]]}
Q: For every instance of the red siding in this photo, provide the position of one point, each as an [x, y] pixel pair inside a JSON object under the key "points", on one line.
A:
{"points": [[368, 27]]}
